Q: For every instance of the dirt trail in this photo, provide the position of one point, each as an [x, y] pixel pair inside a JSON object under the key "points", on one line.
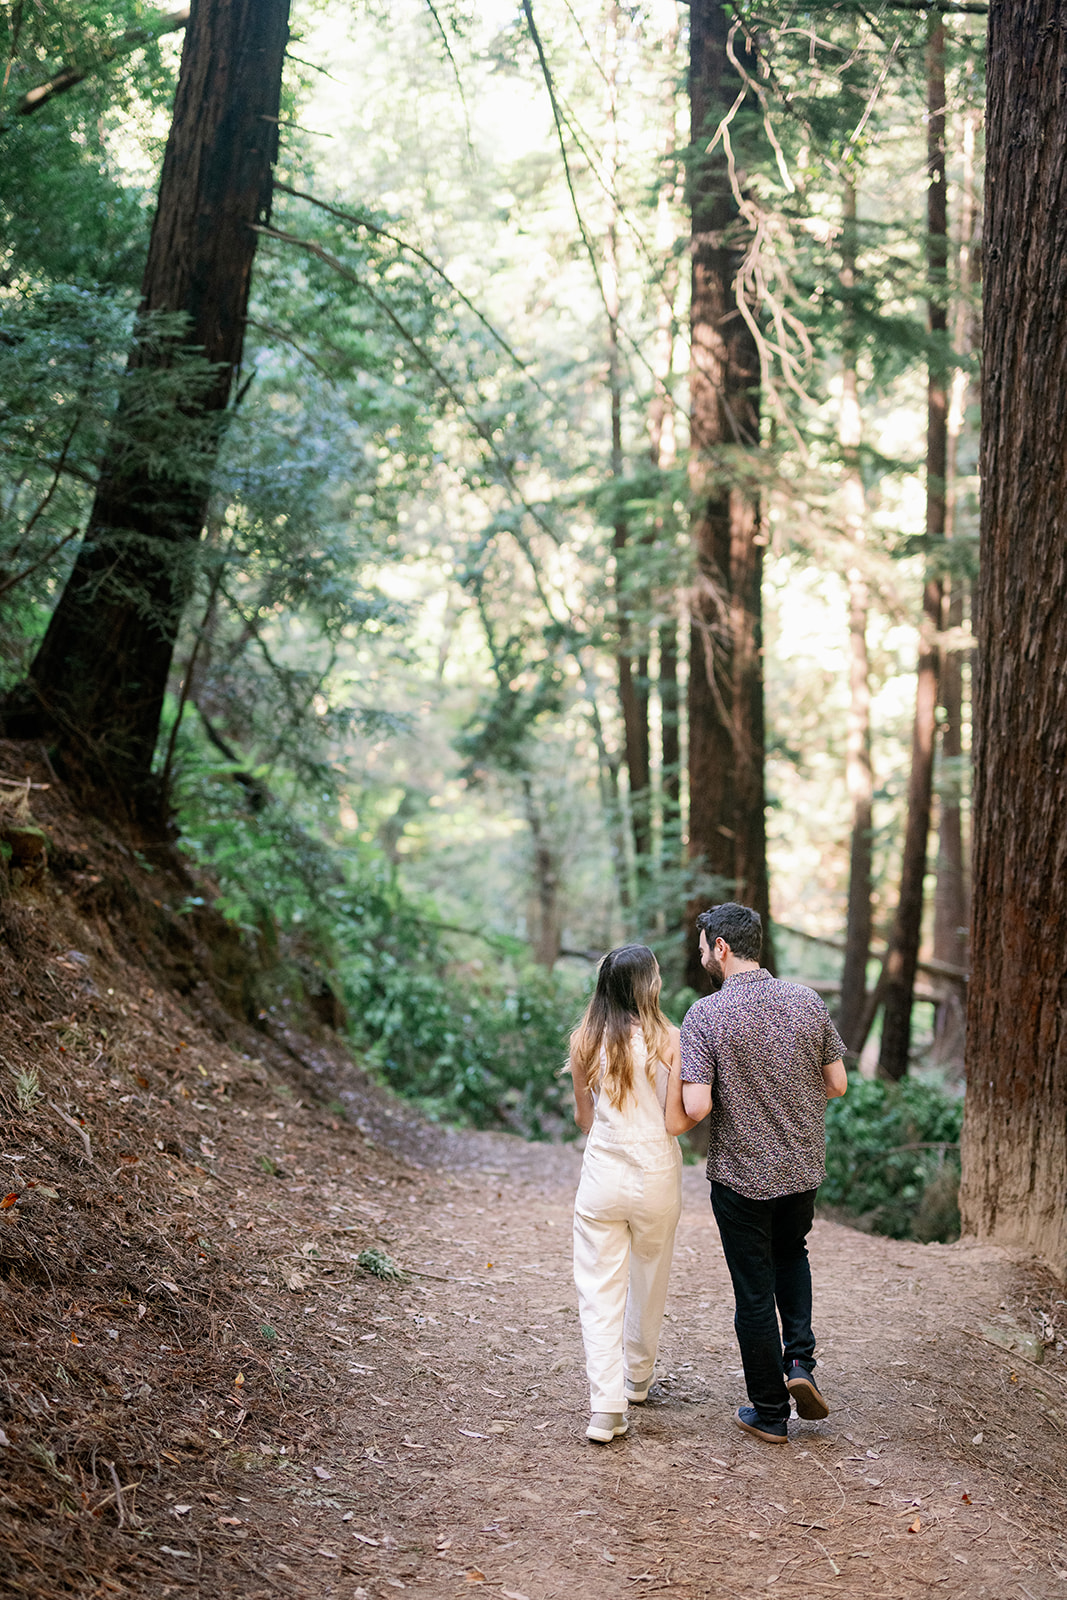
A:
{"points": [[203, 1395], [456, 1457]]}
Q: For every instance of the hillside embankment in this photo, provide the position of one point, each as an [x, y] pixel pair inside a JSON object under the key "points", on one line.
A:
{"points": [[204, 1394]]}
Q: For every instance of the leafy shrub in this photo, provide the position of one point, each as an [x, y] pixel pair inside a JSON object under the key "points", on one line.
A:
{"points": [[476, 1041], [892, 1158]]}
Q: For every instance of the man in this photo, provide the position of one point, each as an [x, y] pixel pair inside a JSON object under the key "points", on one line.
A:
{"points": [[763, 1057]]}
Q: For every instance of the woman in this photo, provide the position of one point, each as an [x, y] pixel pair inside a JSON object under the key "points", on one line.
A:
{"points": [[624, 1060]]}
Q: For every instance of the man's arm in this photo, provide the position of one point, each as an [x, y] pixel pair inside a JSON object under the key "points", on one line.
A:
{"points": [[696, 1098], [835, 1078]]}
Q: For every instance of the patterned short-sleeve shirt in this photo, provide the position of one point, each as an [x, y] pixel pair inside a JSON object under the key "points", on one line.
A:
{"points": [[761, 1043]]}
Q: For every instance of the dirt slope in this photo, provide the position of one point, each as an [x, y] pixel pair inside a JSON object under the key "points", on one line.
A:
{"points": [[203, 1394]]}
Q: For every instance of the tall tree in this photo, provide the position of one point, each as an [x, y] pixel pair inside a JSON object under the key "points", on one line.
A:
{"points": [[727, 833], [631, 658], [1015, 1127], [951, 895], [858, 773], [95, 689], [898, 977]]}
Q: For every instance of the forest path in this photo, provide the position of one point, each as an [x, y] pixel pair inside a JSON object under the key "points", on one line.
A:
{"points": [[459, 1457]]}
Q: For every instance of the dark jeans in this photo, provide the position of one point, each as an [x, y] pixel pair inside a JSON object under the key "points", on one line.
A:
{"points": [[763, 1242]]}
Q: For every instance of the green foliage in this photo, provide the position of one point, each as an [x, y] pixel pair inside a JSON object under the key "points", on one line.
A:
{"points": [[892, 1157], [381, 1265], [468, 1040]]}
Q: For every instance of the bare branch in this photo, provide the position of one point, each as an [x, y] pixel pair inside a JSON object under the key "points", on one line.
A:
{"points": [[42, 561], [420, 255]]}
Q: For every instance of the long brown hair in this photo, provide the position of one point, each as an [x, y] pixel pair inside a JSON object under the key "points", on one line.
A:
{"points": [[627, 990]]}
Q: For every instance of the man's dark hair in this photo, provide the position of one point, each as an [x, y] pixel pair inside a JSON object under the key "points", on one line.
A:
{"points": [[738, 925]]}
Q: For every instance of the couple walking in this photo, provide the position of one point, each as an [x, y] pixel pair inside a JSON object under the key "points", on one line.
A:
{"points": [[763, 1057]]}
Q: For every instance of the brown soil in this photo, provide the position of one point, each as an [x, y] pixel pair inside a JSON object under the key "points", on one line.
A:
{"points": [[203, 1394]]}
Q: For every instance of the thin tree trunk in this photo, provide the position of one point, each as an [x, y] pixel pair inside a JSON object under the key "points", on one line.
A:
{"points": [[903, 952], [858, 773], [663, 454], [633, 685], [546, 883], [951, 910], [1015, 1124], [727, 835], [96, 686]]}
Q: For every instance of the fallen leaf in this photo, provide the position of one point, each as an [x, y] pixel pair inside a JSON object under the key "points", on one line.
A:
{"points": [[167, 1550], [961, 1559], [468, 1434], [913, 1527], [331, 1555], [978, 1438], [239, 1380], [181, 1511], [165, 1283], [4, 1440], [514, 1594], [320, 1472], [965, 1498], [49, 1194], [498, 1427], [473, 1575], [606, 1555], [230, 1522], [364, 1538], [8, 1201]]}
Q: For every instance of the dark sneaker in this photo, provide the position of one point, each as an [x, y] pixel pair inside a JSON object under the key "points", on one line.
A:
{"points": [[750, 1421], [805, 1391]]}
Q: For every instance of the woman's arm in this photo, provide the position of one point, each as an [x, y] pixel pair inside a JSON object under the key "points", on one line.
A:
{"points": [[675, 1116], [583, 1100]]}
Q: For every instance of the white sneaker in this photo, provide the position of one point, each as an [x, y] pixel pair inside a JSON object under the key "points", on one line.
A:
{"points": [[606, 1425], [637, 1393]]}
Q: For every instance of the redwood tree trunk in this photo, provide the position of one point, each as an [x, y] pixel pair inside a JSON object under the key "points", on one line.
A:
{"points": [[858, 774], [951, 900], [96, 686], [726, 783], [633, 685], [1015, 1128], [903, 955]]}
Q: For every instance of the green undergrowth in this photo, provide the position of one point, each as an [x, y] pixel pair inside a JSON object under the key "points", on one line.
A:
{"points": [[461, 1024], [892, 1159]]}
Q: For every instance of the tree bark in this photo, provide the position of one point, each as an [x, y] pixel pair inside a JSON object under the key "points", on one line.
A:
{"points": [[96, 686], [633, 684], [903, 952], [546, 942], [951, 899], [858, 773], [725, 700], [1015, 1126]]}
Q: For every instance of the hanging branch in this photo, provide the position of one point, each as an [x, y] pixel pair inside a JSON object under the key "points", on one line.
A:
{"points": [[484, 433], [420, 255], [432, 9]]}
